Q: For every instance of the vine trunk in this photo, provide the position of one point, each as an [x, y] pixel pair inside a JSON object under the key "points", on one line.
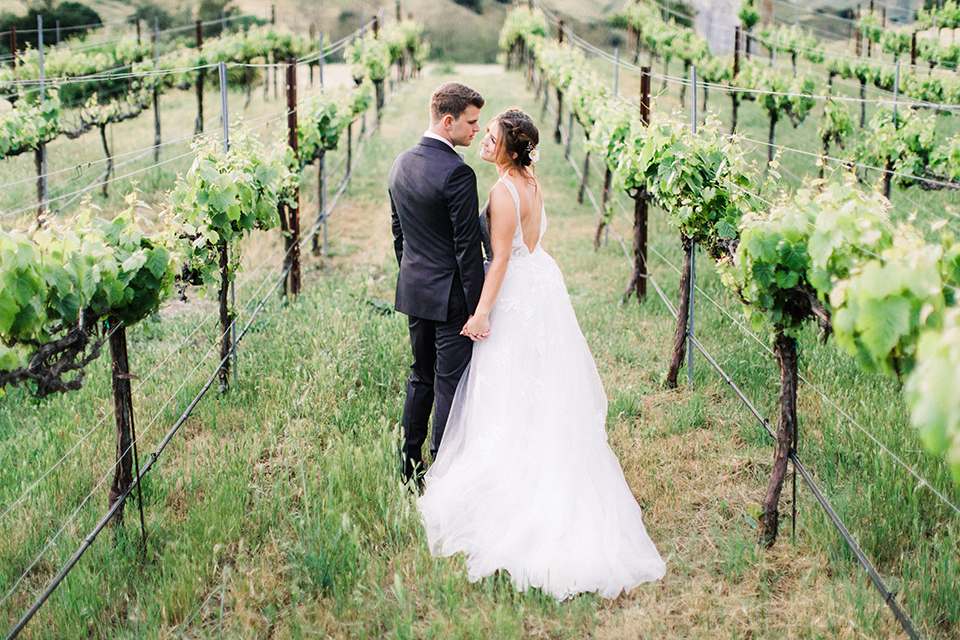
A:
{"points": [[604, 199], [683, 310], [123, 418], [225, 320], [773, 131], [786, 353], [557, 136], [638, 279], [583, 178]]}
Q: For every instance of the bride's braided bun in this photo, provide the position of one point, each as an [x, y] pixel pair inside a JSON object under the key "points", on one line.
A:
{"points": [[519, 138]]}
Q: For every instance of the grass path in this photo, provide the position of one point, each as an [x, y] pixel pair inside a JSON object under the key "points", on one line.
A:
{"points": [[278, 512]]}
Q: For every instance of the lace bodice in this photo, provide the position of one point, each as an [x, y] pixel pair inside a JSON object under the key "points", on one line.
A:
{"points": [[519, 249]]}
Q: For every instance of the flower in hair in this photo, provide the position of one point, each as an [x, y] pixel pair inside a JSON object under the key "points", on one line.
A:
{"points": [[533, 153]]}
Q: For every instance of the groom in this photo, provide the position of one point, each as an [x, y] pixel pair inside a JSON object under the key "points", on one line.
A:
{"points": [[436, 231]]}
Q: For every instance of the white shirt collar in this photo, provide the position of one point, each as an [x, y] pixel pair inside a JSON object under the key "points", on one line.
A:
{"points": [[431, 134]]}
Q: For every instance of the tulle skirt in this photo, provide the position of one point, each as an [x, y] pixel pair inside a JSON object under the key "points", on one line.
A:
{"points": [[525, 480]]}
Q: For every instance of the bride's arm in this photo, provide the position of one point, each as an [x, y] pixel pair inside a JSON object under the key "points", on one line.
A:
{"points": [[503, 224]]}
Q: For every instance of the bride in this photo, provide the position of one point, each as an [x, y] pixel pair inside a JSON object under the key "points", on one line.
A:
{"points": [[525, 480]]}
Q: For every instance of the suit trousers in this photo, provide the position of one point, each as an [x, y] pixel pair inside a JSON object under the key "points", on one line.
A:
{"points": [[440, 357]]}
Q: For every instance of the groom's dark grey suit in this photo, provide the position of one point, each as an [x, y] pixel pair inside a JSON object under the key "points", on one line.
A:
{"points": [[436, 230]]}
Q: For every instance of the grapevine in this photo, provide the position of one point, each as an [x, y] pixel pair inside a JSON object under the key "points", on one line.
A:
{"points": [[63, 287]]}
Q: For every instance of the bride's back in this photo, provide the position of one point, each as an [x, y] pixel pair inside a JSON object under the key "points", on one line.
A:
{"points": [[530, 195]]}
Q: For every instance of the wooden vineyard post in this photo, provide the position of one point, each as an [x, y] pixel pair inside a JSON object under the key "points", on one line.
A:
{"points": [[276, 70], [293, 222], [322, 175], [138, 29], [786, 352], [863, 101], [638, 280], [313, 35], [156, 95], [888, 168], [41, 153], [13, 47], [913, 49], [616, 71], [322, 208], [320, 63], [349, 149], [228, 327], [223, 255], [557, 136], [693, 245], [200, 77], [733, 80], [127, 459], [378, 84], [268, 59]]}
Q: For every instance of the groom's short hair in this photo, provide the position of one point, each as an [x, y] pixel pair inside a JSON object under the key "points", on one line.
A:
{"points": [[453, 98]]}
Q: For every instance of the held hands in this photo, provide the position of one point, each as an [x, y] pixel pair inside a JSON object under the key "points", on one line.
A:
{"points": [[477, 327]]}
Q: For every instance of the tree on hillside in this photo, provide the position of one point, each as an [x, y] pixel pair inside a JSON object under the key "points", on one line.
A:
{"points": [[473, 5], [70, 15]]}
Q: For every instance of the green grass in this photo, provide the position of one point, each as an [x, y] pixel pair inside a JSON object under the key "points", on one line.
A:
{"points": [[278, 511]]}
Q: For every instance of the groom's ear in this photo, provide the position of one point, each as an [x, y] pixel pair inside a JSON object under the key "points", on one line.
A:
{"points": [[447, 121]]}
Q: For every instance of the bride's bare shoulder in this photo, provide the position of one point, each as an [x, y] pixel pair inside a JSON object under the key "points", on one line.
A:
{"points": [[501, 198]]}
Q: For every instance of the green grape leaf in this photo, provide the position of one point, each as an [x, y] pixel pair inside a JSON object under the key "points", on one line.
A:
{"points": [[881, 323]]}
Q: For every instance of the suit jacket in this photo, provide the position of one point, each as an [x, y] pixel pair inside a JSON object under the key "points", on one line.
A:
{"points": [[487, 241], [436, 230]]}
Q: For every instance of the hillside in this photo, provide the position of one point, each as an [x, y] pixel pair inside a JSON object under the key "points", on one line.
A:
{"points": [[455, 33]]}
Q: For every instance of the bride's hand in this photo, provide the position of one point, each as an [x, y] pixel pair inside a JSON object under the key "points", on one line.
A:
{"points": [[477, 328]]}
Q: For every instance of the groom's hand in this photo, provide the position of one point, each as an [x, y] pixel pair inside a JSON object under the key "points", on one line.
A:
{"points": [[477, 328]]}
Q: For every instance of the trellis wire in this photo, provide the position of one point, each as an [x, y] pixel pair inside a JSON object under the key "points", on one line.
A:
{"points": [[889, 599], [583, 44], [52, 586], [946, 501], [46, 200], [697, 288], [127, 175], [247, 278]]}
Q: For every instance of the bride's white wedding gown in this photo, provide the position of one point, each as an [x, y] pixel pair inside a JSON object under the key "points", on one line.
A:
{"points": [[525, 480]]}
